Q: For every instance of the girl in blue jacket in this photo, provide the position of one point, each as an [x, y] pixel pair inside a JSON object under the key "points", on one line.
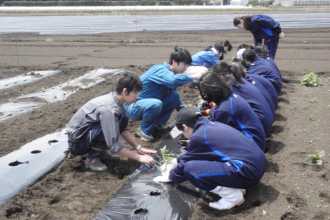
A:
{"points": [[233, 75], [231, 109], [264, 29], [218, 159], [211, 55], [258, 66]]}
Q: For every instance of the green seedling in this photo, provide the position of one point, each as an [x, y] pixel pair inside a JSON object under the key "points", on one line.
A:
{"points": [[166, 155], [316, 158], [311, 80]]}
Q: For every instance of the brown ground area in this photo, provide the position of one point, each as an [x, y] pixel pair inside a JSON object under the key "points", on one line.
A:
{"points": [[290, 189]]}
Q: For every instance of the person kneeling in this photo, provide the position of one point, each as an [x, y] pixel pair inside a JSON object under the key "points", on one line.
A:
{"points": [[218, 159], [98, 128]]}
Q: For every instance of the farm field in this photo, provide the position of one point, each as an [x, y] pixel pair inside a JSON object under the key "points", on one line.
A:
{"points": [[290, 189]]}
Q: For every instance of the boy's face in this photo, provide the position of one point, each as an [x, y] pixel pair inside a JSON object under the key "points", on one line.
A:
{"points": [[179, 67], [130, 97]]}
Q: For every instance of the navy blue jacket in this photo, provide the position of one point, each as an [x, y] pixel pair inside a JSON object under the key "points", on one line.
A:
{"points": [[262, 67], [237, 113], [266, 89], [264, 27], [214, 141], [257, 102], [159, 82]]}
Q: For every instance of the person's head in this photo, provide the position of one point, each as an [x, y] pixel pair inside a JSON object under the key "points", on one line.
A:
{"points": [[243, 22], [186, 119], [230, 73], [245, 46], [214, 88], [261, 51], [180, 59], [128, 87], [240, 50], [249, 56], [221, 47]]}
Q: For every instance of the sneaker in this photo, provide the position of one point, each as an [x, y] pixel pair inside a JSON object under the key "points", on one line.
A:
{"points": [[144, 136], [95, 164], [230, 197]]}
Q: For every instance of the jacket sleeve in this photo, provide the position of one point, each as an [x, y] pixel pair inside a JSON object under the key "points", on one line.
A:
{"points": [[222, 116], [257, 38], [177, 174], [268, 25], [109, 128], [211, 60], [169, 79]]}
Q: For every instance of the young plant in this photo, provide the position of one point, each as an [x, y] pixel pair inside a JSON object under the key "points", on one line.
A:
{"points": [[311, 80], [316, 158], [166, 155]]}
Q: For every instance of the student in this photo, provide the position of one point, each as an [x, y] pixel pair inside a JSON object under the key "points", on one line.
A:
{"points": [[258, 66], [99, 127], [264, 29], [260, 82], [211, 55], [234, 75], [231, 109], [218, 159], [159, 97], [265, 88], [263, 52], [203, 60]]}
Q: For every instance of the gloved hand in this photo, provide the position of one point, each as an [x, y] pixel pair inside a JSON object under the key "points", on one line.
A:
{"points": [[162, 179]]}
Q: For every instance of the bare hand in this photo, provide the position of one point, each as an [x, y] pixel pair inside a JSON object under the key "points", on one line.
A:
{"points": [[144, 150], [282, 35], [147, 159]]}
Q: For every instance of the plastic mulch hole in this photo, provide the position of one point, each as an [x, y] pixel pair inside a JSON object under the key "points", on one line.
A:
{"points": [[35, 151], [141, 211], [16, 163], [52, 141], [154, 193]]}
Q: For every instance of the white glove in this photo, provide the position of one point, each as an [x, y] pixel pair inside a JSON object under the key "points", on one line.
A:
{"points": [[162, 179], [282, 35], [166, 168]]}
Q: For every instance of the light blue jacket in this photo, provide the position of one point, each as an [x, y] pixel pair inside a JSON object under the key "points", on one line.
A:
{"points": [[205, 58], [159, 82]]}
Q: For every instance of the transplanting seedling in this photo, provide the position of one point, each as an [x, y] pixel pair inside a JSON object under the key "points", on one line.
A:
{"points": [[311, 79], [315, 159], [166, 155]]}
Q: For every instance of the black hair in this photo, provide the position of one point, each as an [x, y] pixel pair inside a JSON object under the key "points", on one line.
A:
{"points": [[231, 73], [214, 88], [245, 46], [191, 123], [222, 47], [249, 55], [261, 51], [180, 55], [187, 116], [130, 82], [246, 22]]}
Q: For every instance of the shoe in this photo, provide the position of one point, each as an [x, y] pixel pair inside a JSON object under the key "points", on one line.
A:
{"points": [[230, 197], [95, 164], [144, 136], [217, 189]]}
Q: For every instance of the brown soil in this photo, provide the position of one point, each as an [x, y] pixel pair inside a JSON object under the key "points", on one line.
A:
{"points": [[290, 189]]}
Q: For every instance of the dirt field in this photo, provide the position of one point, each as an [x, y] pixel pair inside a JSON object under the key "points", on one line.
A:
{"points": [[289, 190]]}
